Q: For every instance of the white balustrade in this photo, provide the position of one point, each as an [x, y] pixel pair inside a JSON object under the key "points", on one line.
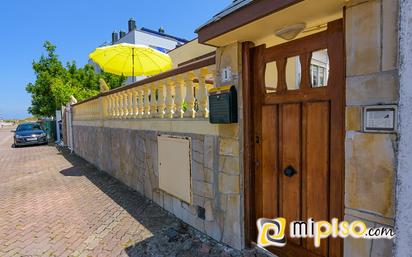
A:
{"points": [[180, 96]]}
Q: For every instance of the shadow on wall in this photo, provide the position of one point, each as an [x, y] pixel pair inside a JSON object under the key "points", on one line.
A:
{"points": [[170, 236]]}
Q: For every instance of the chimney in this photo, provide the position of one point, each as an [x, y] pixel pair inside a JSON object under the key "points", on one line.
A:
{"points": [[161, 30], [132, 24], [115, 37], [122, 34]]}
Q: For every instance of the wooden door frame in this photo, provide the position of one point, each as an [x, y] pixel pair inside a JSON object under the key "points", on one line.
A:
{"points": [[252, 109]]}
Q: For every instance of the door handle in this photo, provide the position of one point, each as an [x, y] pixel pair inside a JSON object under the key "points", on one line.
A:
{"points": [[289, 171]]}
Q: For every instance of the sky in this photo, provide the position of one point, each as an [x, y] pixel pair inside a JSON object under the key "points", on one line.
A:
{"points": [[77, 27]]}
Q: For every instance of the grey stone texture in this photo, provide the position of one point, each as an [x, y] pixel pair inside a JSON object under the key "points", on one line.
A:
{"points": [[131, 156]]}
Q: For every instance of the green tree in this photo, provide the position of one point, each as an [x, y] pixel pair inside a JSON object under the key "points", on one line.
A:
{"points": [[55, 83]]}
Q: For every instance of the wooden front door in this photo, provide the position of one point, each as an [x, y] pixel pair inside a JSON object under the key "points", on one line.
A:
{"points": [[298, 109]]}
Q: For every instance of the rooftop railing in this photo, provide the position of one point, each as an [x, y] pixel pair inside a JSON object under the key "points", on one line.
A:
{"points": [[175, 94]]}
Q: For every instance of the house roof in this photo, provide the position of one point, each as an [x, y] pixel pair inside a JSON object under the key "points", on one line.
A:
{"points": [[240, 13], [235, 5], [179, 39]]}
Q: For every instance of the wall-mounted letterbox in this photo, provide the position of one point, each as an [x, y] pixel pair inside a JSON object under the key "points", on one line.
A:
{"points": [[223, 105], [380, 118]]}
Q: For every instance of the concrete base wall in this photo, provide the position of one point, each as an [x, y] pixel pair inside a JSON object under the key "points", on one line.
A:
{"points": [[131, 156]]}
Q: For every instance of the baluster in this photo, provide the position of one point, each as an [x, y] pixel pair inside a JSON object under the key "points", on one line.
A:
{"points": [[117, 97], [96, 109], [146, 101], [141, 102], [120, 95], [105, 106], [170, 104], [190, 96], [135, 93], [180, 83], [202, 96], [118, 103], [153, 101], [93, 110], [130, 102], [125, 105], [112, 106], [161, 99]]}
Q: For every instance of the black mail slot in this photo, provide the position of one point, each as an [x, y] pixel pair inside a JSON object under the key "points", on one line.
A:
{"points": [[223, 105]]}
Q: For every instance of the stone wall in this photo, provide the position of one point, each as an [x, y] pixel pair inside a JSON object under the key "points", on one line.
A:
{"points": [[370, 158], [127, 149], [131, 156]]}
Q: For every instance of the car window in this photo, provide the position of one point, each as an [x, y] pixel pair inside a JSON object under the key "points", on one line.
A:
{"points": [[25, 127]]}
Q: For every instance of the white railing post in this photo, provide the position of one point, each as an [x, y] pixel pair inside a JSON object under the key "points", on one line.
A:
{"points": [[113, 106], [161, 99], [130, 103], [125, 105], [135, 93], [146, 102], [120, 100], [190, 96], [179, 101], [202, 93], [170, 104], [141, 102], [153, 101]]}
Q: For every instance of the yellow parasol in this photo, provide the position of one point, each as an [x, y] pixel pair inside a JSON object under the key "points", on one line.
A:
{"points": [[131, 60]]}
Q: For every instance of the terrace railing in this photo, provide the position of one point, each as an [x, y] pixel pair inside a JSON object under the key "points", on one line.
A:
{"points": [[175, 94]]}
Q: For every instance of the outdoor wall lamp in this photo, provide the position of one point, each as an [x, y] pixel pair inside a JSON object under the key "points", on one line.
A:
{"points": [[291, 31]]}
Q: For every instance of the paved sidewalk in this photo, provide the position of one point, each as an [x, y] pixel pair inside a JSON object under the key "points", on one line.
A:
{"points": [[55, 204]]}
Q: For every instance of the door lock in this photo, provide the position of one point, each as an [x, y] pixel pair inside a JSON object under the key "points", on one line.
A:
{"points": [[289, 171]]}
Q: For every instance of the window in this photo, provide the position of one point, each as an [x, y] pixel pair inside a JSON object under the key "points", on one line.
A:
{"points": [[271, 77], [319, 68], [29, 126], [318, 76]]}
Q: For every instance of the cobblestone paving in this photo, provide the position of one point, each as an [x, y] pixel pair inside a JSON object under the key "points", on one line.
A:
{"points": [[55, 204]]}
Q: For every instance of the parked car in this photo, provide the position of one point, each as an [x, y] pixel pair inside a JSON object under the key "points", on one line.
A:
{"points": [[30, 133]]}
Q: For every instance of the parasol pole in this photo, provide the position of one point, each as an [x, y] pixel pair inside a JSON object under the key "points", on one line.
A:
{"points": [[133, 64]]}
